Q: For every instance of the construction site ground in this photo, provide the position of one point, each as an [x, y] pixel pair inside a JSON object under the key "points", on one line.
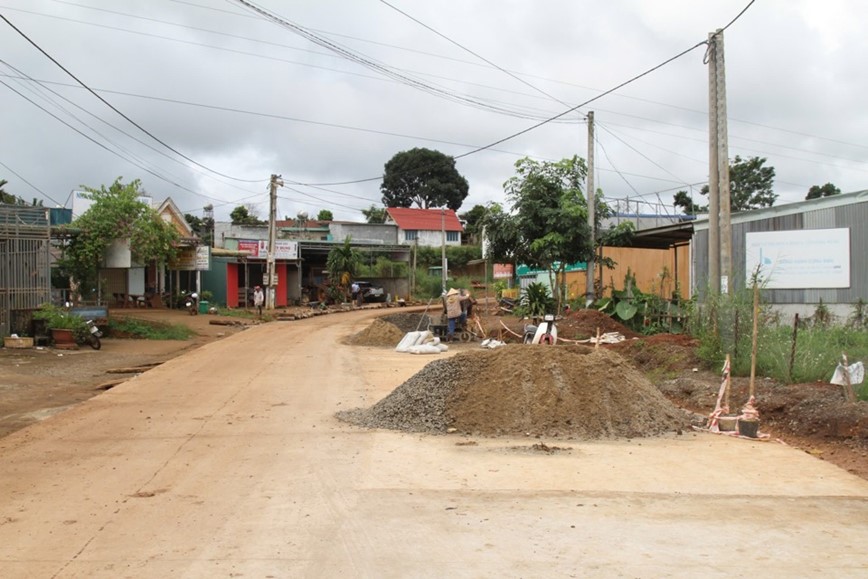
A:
{"points": [[225, 458]]}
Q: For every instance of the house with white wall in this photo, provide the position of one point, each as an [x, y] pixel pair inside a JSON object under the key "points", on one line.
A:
{"points": [[425, 227]]}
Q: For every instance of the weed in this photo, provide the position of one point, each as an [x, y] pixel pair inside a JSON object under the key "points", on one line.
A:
{"points": [[146, 330]]}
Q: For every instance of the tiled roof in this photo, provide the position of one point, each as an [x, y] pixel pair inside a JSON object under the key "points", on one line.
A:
{"points": [[410, 219]]}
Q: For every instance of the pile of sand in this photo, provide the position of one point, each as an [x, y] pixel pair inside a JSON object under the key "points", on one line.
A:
{"points": [[569, 391], [379, 333]]}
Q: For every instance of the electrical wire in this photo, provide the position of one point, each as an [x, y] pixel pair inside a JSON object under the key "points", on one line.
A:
{"points": [[112, 107], [101, 145], [34, 187], [544, 122], [477, 55]]}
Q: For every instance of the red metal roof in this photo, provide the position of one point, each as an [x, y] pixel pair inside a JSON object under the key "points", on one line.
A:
{"points": [[410, 219]]}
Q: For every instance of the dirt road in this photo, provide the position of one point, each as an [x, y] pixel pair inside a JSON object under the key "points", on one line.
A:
{"points": [[227, 461]]}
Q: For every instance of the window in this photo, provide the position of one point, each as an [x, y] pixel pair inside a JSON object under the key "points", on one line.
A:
{"points": [[411, 235], [451, 236]]}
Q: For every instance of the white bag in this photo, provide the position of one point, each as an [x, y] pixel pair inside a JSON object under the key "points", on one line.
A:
{"points": [[856, 370]]}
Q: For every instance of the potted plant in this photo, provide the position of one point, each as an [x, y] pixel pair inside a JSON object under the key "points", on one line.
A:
{"points": [[66, 328]]}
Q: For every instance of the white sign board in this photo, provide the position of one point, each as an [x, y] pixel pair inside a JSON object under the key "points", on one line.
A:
{"points": [[809, 258], [283, 249], [203, 258]]}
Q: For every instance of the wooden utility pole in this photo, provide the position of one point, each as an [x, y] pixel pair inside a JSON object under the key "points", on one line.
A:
{"points": [[589, 285], [271, 273]]}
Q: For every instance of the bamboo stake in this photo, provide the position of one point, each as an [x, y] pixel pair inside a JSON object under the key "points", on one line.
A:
{"points": [[849, 393], [597, 343], [793, 349], [753, 345], [728, 379]]}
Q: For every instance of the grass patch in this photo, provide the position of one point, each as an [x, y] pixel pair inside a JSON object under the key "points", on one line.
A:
{"points": [[145, 330], [818, 346]]}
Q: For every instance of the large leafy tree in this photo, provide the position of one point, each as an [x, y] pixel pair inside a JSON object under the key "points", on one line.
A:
{"points": [[116, 213], [472, 221], [548, 224], [375, 214], [245, 215], [827, 190], [547, 227], [203, 227], [425, 177], [325, 215], [750, 187]]}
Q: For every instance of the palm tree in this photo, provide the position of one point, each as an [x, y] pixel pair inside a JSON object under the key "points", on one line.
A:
{"points": [[342, 263]]}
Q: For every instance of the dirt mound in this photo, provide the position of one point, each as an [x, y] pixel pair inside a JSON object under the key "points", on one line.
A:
{"points": [[408, 322], [379, 333], [573, 392], [660, 353], [583, 324]]}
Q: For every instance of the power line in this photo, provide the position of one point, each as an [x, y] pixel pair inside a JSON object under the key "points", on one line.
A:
{"points": [[102, 146], [43, 193], [542, 123], [112, 107], [477, 55]]}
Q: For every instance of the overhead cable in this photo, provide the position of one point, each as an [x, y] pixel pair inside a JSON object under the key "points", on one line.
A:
{"points": [[112, 107]]}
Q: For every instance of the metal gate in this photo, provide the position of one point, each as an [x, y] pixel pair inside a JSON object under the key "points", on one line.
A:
{"points": [[25, 265]]}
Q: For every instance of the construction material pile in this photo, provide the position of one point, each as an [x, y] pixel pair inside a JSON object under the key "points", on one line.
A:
{"points": [[570, 392], [379, 333]]}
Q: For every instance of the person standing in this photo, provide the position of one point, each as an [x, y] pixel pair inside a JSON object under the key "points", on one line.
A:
{"points": [[453, 312], [258, 299], [354, 290]]}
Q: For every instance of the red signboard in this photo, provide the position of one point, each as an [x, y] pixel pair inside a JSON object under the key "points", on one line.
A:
{"points": [[502, 270], [251, 246]]}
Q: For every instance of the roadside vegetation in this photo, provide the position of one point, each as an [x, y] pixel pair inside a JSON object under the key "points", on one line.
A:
{"points": [[788, 353], [146, 330]]}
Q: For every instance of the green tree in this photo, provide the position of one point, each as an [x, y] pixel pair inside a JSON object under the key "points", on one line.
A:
{"points": [[684, 200], [245, 215], [827, 190], [116, 213], [7, 197], [203, 227], [375, 214], [11, 199], [342, 264], [424, 177], [325, 215], [548, 226], [472, 220], [750, 187]]}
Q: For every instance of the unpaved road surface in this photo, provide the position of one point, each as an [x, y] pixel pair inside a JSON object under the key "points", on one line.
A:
{"points": [[227, 462]]}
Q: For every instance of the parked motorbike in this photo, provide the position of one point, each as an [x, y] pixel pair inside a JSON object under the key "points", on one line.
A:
{"points": [[192, 304], [93, 334], [544, 333]]}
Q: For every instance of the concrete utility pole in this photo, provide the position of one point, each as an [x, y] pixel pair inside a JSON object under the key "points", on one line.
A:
{"points": [[723, 169], [271, 273], [443, 248], [713, 178], [589, 282]]}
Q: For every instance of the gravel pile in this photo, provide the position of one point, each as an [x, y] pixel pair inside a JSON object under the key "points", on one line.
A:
{"points": [[572, 392]]}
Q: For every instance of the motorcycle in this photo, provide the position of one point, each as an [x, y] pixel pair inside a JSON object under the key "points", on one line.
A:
{"points": [[543, 333], [192, 304], [93, 335]]}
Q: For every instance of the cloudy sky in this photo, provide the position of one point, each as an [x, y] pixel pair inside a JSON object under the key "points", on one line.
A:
{"points": [[328, 92]]}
